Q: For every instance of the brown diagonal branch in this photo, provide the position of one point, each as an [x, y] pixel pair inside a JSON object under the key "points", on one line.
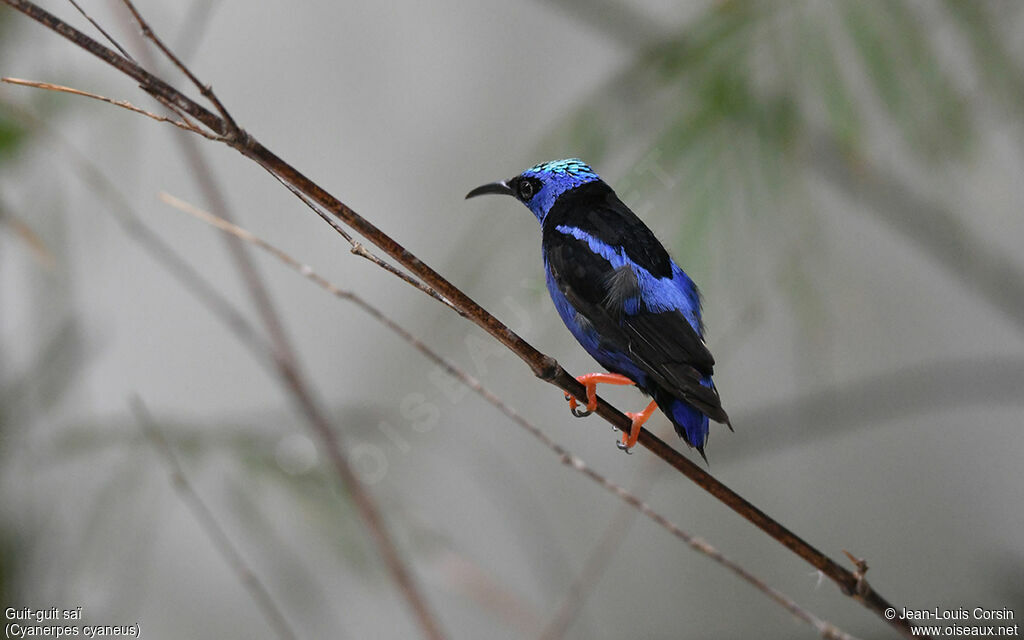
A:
{"points": [[631, 500], [542, 365]]}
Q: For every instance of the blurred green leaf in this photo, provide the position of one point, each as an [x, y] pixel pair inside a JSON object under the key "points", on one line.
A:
{"points": [[12, 134], [825, 80], [903, 66], [730, 102]]}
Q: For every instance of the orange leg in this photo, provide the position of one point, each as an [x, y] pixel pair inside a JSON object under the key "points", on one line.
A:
{"points": [[590, 381], [629, 439]]}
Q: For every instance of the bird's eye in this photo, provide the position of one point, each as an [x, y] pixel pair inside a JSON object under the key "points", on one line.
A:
{"points": [[526, 190]]}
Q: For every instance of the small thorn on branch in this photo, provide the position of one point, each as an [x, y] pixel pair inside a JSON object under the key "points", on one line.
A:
{"points": [[860, 568]]}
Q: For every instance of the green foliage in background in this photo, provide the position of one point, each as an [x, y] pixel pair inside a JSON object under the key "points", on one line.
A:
{"points": [[12, 133], [724, 122]]}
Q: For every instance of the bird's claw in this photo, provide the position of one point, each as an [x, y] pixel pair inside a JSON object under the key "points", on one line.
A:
{"points": [[590, 382], [624, 447], [574, 407]]}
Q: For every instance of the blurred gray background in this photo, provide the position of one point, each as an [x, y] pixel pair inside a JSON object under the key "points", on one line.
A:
{"points": [[841, 178]]}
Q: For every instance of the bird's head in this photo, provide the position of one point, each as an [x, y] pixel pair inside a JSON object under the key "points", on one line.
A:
{"points": [[539, 186]]}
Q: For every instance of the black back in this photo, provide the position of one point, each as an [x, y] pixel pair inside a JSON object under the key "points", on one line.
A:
{"points": [[596, 209], [661, 343]]}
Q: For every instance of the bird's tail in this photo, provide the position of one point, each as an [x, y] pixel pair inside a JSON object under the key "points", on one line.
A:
{"points": [[691, 424]]}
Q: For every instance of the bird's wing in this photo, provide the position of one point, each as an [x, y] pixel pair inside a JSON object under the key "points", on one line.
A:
{"points": [[611, 298]]}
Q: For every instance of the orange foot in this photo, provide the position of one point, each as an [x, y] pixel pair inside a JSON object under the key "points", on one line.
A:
{"points": [[629, 439], [590, 381]]}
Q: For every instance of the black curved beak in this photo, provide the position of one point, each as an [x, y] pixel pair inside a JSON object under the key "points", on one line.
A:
{"points": [[494, 187]]}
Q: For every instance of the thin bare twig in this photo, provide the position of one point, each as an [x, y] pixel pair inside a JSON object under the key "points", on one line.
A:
{"points": [[106, 35], [543, 366], [124, 104], [360, 250], [205, 89], [209, 524], [825, 629]]}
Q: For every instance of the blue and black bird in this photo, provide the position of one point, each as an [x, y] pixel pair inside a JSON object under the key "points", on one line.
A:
{"points": [[621, 295]]}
